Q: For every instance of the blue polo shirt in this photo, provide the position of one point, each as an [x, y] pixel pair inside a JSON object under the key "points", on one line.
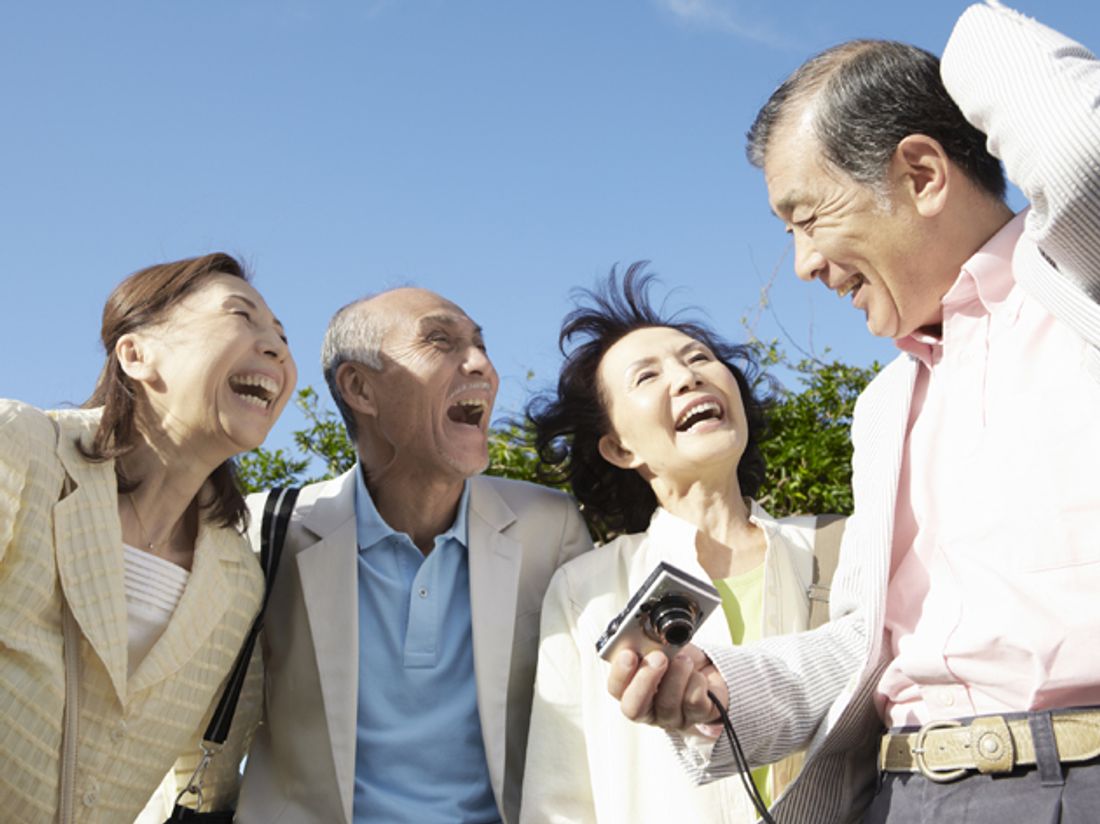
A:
{"points": [[419, 756]]}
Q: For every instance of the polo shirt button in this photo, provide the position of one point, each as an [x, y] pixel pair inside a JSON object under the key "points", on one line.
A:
{"points": [[91, 794], [422, 592], [119, 732]]}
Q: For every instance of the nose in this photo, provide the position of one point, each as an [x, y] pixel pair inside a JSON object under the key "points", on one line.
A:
{"points": [[476, 361], [808, 262], [271, 344], [683, 378]]}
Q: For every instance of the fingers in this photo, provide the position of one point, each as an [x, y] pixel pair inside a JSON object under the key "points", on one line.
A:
{"points": [[623, 666], [697, 706], [668, 703], [636, 699], [670, 694]]}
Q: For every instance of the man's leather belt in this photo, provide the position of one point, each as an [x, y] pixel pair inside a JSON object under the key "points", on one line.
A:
{"points": [[947, 750]]}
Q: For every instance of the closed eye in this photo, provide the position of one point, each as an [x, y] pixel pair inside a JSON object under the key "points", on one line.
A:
{"points": [[440, 339]]}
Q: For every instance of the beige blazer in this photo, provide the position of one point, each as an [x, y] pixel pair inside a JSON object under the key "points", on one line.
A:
{"points": [[301, 767], [131, 730]]}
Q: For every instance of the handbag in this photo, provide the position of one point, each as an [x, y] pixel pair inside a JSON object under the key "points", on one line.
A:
{"points": [[277, 510]]}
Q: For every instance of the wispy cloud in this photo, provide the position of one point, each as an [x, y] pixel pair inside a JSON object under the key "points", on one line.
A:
{"points": [[735, 17]]}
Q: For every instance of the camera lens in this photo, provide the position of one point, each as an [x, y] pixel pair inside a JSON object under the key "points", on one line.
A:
{"points": [[673, 619]]}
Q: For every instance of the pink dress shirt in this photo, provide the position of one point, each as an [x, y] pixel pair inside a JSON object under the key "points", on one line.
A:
{"points": [[994, 593]]}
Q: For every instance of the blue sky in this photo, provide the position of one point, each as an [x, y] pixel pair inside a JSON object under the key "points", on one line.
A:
{"points": [[500, 152]]}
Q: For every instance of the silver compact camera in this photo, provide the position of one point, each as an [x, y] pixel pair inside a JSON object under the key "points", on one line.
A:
{"points": [[663, 614]]}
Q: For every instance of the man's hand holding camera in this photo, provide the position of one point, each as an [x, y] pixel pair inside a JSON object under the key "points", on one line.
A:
{"points": [[667, 693]]}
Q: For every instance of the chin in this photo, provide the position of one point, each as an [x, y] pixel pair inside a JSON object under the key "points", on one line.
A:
{"points": [[467, 465]]}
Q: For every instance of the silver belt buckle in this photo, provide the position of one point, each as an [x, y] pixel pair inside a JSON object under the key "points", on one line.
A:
{"points": [[918, 750]]}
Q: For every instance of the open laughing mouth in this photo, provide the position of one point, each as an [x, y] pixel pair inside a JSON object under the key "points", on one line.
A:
{"points": [[469, 412], [697, 413], [256, 389], [851, 285]]}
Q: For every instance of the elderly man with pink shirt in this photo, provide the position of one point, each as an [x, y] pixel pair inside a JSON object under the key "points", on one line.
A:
{"points": [[961, 663]]}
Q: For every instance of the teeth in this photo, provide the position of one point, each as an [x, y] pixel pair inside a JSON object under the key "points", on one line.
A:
{"points": [[267, 386], [708, 406], [266, 383], [846, 288], [259, 403]]}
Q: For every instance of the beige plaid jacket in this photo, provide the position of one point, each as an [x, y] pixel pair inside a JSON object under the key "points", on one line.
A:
{"points": [[131, 731]]}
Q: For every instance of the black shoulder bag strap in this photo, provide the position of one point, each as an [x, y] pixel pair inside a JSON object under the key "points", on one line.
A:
{"points": [[277, 511]]}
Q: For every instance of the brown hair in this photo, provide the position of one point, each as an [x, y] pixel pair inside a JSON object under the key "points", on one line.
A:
{"points": [[139, 301]]}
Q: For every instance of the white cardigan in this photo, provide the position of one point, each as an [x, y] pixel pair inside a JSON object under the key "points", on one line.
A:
{"points": [[585, 761]]}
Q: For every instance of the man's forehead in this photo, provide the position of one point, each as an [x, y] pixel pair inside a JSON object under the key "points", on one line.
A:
{"points": [[792, 161], [416, 308]]}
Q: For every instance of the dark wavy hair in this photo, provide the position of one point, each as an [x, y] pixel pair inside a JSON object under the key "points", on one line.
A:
{"points": [[567, 425], [141, 300]]}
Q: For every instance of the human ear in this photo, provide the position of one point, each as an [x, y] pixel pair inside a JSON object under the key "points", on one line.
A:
{"points": [[616, 454], [922, 168], [135, 358], [353, 381]]}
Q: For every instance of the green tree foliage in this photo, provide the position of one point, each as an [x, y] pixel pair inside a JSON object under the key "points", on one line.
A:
{"points": [[512, 453], [808, 450], [324, 442]]}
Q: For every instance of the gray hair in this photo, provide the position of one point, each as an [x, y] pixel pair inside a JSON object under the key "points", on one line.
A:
{"points": [[868, 96], [353, 336]]}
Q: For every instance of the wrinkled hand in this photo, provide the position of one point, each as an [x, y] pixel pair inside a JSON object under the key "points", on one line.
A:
{"points": [[670, 694]]}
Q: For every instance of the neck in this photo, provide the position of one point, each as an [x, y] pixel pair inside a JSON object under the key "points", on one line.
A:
{"points": [[966, 227], [422, 506], [728, 543], [156, 515]]}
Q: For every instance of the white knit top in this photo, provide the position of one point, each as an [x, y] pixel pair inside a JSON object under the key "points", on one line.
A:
{"points": [[153, 587]]}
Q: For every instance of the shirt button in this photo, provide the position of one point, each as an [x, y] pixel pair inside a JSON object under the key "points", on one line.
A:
{"points": [[91, 794], [422, 592], [947, 698], [119, 732]]}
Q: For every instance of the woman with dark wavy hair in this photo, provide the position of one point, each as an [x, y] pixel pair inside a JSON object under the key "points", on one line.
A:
{"points": [[127, 585], [656, 425]]}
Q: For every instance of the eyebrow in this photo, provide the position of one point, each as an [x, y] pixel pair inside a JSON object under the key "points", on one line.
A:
{"points": [[449, 320], [786, 205], [649, 359], [251, 303]]}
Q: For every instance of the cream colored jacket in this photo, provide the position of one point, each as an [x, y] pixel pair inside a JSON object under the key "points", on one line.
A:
{"points": [[585, 761], [131, 731]]}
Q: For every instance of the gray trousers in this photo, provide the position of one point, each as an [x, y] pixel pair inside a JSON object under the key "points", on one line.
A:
{"points": [[1049, 793]]}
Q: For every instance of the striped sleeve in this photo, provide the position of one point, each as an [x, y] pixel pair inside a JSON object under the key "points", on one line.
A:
{"points": [[1035, 93]]}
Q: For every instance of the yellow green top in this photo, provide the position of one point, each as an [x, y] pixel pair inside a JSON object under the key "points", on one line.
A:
{"points": [[743, 604]]}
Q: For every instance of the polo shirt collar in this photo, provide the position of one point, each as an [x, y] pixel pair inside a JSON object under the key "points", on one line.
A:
{"points": [[372, 529]]}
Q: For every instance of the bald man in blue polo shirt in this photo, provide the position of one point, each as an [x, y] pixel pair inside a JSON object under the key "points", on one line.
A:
{"points": [[402, 634]]}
